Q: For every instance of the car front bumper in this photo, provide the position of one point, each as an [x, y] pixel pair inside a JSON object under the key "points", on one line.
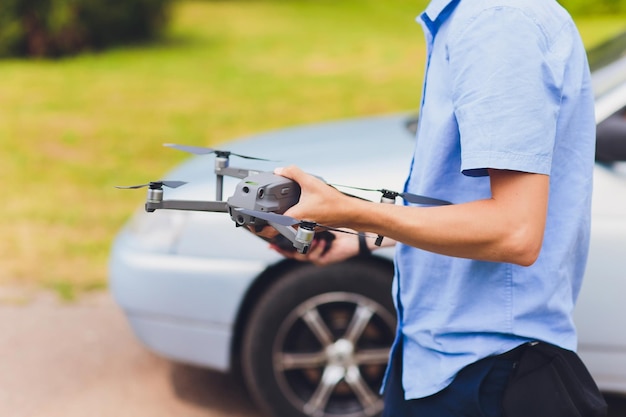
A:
{"points": [[181, 307]]}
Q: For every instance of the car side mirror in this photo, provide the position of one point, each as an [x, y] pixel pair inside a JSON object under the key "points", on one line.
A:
{"points": [[411, 125], [611, 139]]}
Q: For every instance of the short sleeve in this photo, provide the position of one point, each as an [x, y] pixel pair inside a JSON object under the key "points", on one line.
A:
{"points": [[504, 93]]}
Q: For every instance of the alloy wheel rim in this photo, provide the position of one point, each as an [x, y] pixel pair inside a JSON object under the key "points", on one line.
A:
{"points": [[331, 352]]}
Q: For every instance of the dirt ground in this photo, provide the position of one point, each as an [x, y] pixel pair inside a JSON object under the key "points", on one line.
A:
{"points": [[80, 359]]}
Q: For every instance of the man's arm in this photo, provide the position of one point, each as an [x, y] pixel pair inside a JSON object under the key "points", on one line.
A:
{"points": [[508, 227]]}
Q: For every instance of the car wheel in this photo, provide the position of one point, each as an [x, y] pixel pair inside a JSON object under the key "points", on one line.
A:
{"points": [[318, 341]]}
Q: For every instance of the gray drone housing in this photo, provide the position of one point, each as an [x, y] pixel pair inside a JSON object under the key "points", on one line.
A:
{"points": [[264, 192]]}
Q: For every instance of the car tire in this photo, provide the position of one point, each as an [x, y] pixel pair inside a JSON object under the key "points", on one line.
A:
{"points": [[318, 340]]}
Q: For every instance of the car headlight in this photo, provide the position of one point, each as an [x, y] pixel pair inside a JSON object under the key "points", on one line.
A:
{"points": [[158, 231]]}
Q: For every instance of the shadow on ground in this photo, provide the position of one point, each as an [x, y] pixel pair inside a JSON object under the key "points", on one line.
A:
{"points": [[208, 389]]}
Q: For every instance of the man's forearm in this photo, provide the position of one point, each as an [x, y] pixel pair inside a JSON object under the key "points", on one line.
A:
{"points": [[505, 228]]}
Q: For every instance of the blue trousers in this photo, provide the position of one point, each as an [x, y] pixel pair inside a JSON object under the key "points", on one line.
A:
{"points": [[476, 391]]}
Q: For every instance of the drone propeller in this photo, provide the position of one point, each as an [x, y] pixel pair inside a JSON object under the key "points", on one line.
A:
{"points": [[200, 150], [411, 198], [283, 220], [153, 185]]}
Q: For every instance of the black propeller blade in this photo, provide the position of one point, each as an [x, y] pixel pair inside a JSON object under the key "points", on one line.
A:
{"points": [[200, 150], [418, 199], [411, 198], [153, 185]]}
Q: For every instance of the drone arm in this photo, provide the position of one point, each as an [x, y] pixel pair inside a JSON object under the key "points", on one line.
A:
{"points": [[300, 238], [211, 206], [235, 172], [222, 169]]}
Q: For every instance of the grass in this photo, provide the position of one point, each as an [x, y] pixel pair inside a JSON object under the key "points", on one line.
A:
{"points": [[71, 129]]}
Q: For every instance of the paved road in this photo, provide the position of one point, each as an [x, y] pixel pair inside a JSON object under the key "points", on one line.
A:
{"points": [[80, 359]]}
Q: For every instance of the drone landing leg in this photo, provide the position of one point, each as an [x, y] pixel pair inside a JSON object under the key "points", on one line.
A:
{"points": [[219, 186]]}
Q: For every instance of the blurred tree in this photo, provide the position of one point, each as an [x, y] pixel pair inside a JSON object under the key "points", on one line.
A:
{"points": [[53, 28]]}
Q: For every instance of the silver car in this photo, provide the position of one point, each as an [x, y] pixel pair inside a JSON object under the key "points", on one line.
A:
{"points": [[313, 341]]}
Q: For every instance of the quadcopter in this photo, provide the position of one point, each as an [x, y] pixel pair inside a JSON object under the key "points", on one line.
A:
{"points": [[260, 199]]}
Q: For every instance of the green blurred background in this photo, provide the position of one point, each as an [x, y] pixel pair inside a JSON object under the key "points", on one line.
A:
{"points": [[71, 129]]}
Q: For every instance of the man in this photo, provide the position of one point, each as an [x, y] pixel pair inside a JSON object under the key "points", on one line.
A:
{"points": [[506, 133]]}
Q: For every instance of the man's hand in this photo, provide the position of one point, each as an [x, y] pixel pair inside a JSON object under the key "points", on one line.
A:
{"points": [[319, 202]]}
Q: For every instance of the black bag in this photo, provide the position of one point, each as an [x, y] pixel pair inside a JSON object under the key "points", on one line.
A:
{"points": [[550, 381]]}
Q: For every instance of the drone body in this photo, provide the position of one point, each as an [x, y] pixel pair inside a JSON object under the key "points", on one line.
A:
{"points": [[261, 195], [260, 198], [257, 195], [263, 192]]}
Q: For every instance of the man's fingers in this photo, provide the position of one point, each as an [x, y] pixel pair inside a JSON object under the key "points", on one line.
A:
{"points": [[266, 232], [292, 172]]}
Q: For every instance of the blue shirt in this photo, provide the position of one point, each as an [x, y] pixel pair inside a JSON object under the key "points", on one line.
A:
{"points": [[507, 86]]}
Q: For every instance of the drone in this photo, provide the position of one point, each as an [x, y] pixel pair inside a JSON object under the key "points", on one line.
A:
{"points": [[260, 199]]}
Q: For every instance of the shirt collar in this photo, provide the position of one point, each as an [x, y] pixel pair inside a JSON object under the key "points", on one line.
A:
{"points": [[436, 12], [435, 7]]}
